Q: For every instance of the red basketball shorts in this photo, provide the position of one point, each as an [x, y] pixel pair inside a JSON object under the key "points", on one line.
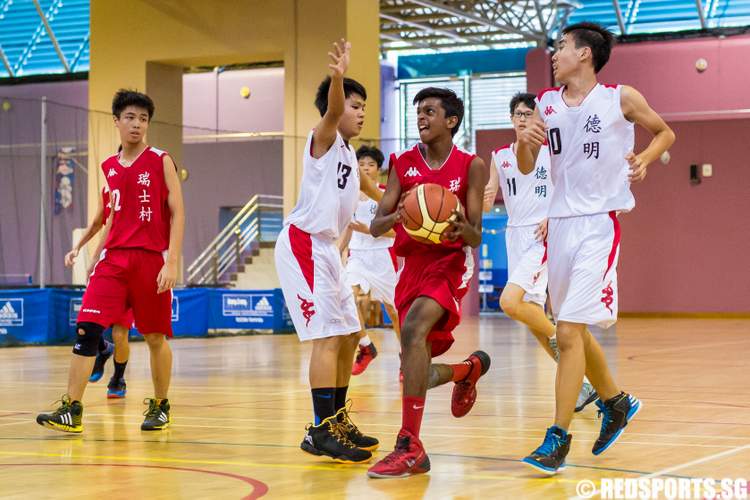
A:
{"points": [[443, 277], [125, 278]]}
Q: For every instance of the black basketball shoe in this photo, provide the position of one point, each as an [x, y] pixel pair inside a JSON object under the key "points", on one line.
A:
{"points": [[616, 412], [549, 458], [67, 418], [329, 438], [354, 435], [157, 415]]}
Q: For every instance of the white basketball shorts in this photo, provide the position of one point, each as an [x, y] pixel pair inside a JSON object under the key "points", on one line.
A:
{"points": [[312, 278], [374, 272], [527, 262], [582, 257]]}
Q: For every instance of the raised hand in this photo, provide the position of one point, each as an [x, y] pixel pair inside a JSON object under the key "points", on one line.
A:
{"points": [[340, 58]]}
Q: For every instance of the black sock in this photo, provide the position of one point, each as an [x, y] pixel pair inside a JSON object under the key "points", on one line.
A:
{"points": [[341, 397], [102, 344], [323, 403], [119, 370]]}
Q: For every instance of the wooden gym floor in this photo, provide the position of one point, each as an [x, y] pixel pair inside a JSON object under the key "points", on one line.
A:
{"points": [[240, 405]]}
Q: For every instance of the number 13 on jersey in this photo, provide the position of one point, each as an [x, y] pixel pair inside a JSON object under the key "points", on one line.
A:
{"points": [[343, 171]]}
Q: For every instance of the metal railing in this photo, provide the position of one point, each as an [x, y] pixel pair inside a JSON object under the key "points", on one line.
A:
{"points": [[226, 250]]}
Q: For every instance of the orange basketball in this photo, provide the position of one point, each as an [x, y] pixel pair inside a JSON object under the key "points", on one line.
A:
{"points": [[428, 212]]}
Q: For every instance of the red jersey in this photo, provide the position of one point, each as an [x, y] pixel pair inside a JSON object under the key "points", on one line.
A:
{"points": [[138, 200], [412, 170]]}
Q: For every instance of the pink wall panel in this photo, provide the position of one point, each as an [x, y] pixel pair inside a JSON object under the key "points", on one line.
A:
{"points": [[665, 73], [685, 247]]}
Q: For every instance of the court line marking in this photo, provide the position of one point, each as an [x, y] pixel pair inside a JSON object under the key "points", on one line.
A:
{"points": [[259, 487], [321, 467], [452, 435], [676, 468], [286, 446], [302, 422], [697, 461]]}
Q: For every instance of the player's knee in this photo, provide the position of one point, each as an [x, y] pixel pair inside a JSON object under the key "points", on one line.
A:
{"points": [[87, 341], [413, 335], [119, 335], [155, 339], [509, 306], [568, 337]]}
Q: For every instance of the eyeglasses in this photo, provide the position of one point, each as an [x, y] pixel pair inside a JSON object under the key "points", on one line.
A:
{"points": [[521, 114]]}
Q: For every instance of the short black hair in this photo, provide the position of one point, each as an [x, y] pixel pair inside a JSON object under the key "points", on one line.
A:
{"points": [[124, 98], [594, 36], [350, 87], [522, 97], [452, 104], [371, 152]]}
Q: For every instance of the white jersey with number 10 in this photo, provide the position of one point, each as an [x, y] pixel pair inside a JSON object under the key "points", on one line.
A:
{"points": [[588, 144]]}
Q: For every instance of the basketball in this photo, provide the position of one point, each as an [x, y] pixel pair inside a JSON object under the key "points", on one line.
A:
{"points": [[428, 212]]}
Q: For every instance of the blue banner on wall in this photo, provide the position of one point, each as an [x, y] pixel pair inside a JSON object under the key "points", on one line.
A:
{"points": [[25, 317], [190, 313], [257, 309], [49, 316]]}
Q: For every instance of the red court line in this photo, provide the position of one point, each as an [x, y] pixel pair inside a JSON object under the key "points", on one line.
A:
{"points": [[15, 414], [259, 488]]}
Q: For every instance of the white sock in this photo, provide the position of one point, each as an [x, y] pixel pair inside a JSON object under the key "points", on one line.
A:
{"points": [[365, 341]]}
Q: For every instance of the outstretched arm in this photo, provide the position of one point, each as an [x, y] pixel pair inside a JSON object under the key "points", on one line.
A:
{"points": [[637, 110], [388, 213], [325, 132], [469, 226]]}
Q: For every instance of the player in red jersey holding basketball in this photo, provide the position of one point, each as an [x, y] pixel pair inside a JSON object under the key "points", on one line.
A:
{"points": [[434, 278], [121, 349], [138, 266]]}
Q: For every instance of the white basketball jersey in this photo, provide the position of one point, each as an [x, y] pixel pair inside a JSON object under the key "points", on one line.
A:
{"points": [[365, 212], [526, 196], [588, 144], [329, 192]]}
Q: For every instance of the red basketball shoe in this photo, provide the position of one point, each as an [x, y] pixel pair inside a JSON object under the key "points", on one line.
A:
{"points": [[406, 459], [365, 355], [465, 391]]}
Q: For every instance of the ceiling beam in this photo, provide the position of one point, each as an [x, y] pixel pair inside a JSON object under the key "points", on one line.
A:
{"points": [[620, 22], [6, 63], [412, 43], [475, 18], [52, 36], [542, 23], [431, 29], [701, 14]]}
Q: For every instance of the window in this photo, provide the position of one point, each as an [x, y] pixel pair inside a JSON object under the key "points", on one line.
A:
{"points": [[486, 98]]}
